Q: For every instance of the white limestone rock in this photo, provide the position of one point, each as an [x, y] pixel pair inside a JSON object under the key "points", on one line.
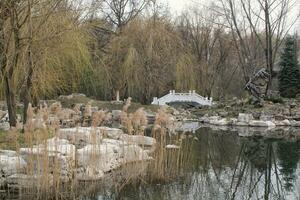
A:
{"points": [[219, 122], [258, 123], [89, 174], [138, 139], [113, 133], [133, 153], [285, 122], [4, 126], [295, 123], [244, 118], [17, 181], [172, 146], [87, 135], [104, 157], [11, 164], [116, 114], [60, 156]]}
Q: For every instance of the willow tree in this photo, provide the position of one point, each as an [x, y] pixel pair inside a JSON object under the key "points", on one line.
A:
{"points": [[42, 48], [12, 20], [206, 41], [143, 58], [56, 51]]}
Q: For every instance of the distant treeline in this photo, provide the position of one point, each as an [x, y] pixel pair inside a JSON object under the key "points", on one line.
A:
{"points": [[135, 47]]}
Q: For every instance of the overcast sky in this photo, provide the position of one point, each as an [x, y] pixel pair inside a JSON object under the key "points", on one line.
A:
{"points": [[178, 5]]}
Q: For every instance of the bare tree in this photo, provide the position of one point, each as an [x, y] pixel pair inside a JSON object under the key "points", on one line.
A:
{"points": [[261, 23], [120, 12]]}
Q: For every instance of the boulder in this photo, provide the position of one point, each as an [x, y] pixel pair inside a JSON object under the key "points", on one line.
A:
{"points": [[4, 126], [219, 122], [89, 174], [17, 181], [138, 139], [104, 157], [172, 146], [259, 123], [81, 135], [116, 114], [3, 116], [133, 153], [113, 133], [58, 154], [11, 163], [285, 122], [295, 123], [245, 118], [265, 117]]}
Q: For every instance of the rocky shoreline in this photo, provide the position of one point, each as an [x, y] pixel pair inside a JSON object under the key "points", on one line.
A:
{"points": [[82, 158], [245, 119]]}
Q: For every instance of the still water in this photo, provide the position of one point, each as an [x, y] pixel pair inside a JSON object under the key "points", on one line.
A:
{"points": [[221, 165]]}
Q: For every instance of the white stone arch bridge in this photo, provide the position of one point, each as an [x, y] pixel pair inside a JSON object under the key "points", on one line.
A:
{"points": [[190, 97]]}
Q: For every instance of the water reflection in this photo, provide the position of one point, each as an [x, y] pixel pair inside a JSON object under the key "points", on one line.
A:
{"points": [[221, 165]]}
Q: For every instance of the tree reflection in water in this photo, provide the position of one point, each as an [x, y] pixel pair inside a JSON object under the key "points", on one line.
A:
{"points": [[221, 165]]}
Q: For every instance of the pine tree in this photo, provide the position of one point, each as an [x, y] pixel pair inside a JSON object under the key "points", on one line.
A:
{"points": [[289, 75]]}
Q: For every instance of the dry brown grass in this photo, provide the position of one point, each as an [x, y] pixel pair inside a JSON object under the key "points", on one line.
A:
{"points": [[48, 184]]}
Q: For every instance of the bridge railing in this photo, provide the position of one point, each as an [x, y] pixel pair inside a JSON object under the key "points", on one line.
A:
{"points": [[191, 96]]}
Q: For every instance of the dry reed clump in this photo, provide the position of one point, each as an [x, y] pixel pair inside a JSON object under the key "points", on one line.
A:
{"points": [[134, 123], [127, 104], [55, 108], [100, 117], [166, 163]]}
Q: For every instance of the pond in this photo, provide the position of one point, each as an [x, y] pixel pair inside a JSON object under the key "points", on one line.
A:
{"points": [[221, 165]]}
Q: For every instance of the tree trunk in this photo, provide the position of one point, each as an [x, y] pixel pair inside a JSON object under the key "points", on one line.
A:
{"points": [[11, 102], [28, 84]]}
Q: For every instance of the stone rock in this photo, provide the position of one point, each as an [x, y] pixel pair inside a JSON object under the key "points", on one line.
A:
{"points": [[223, 114], [245, 118], [87, 115], [295, 123], [265, 117], [219, 122], [116, 114], [4, 126], [172, 146], [232, 121], [138, 139], [285, 122], [258, 123], [113, 133], [94, 160], [81, 135], [133, 153], [59, 153], [3, 116], [89, 174], [104, 157], [11, 163], [119, 143], [17, 181]]}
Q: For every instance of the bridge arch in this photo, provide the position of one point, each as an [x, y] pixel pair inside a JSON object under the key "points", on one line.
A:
{"points": [[190, 97]]}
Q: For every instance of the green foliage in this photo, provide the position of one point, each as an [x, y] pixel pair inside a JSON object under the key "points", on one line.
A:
{"points": [[289, 76]]}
